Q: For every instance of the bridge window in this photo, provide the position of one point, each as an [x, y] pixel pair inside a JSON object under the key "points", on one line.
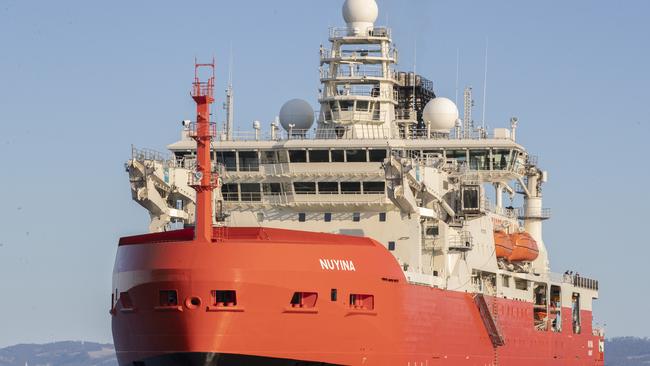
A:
{"points": [[224, 298], [125, 300], [228, 159], [350, 187], [302, 217], [459, 155], [374, 187], [500, 159], [328, 187], [250, 192], [362, 301], [478, 159], [355, 156], [230, 192], [362, 105], [376, 155], [248, 161], [168, 298], [338, 156], [319, 156], [327, 217], [304, 187], [298, 156]]}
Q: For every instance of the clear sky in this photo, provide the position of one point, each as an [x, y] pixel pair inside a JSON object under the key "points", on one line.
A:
{"points": [[80, 81]]}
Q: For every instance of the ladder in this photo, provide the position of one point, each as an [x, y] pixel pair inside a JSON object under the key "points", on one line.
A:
{"points": [[489, 321]]}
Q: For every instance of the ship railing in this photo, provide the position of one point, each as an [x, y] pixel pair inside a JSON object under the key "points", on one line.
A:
{"points": [[360, 91], [357, 73], [352, 115], [145, 154], [538, 213], [341, 32], [584, 282], [327, 54]]}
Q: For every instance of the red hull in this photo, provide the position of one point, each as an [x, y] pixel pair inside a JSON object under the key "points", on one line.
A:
{"points": [[409, 324]]}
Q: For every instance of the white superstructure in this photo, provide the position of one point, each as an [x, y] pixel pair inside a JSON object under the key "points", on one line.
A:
{"points": [[385, 159]]}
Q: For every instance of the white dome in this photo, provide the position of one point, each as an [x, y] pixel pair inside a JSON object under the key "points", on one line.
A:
{"points": [[441, 114], [360, 14], [298, 113]]}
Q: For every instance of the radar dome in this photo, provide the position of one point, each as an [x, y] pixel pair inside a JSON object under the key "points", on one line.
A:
{"points": [[297, 113], [440, 114], [360, 14]]}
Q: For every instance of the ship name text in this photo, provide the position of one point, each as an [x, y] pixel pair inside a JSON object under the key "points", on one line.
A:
{"points": [[337, 265]]}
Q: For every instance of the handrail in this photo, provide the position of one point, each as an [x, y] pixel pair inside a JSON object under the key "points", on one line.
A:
{"points": [[343, 32]]}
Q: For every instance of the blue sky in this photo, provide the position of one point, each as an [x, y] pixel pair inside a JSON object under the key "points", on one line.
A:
{"points": [[81, 81]]}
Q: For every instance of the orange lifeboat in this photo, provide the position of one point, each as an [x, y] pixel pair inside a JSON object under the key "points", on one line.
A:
{"points": [[524, 248], [502, 244]]}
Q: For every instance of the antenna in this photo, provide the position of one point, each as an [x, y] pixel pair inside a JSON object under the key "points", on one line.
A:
{"points": [[468, 103], [229, 102], [457, 71], [415, 74], [485, 85]]}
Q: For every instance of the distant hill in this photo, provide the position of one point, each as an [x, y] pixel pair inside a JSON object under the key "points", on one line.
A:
{"points": [[623, 351], [59, 354], [627, 351]]}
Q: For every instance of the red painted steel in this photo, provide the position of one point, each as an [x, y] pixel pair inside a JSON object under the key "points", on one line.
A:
{"points": [[408, 324]]}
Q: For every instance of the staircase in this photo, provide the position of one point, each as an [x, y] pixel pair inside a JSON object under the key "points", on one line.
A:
{"points": [[489, 321]]}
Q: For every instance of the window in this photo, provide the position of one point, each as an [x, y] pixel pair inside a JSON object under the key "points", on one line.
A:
{"points": [[168, 298], [303, 299], [505, 281], [301, 217], [328, 187], [470, 198], [459, 155], [363, 302], [248, 161], [478, 159], [228, 159], [350, 187], [432, 231], [391, 245], [382, 217], [224, 298], [250, 192], [268, 157], [374, 187], [271, 188], [333, 294], [356, 217], [362, 105], [297, 156], [521, 284], [500, 159], [338, 156], [230, 192], [376, 155], [319, 156], [304, 187], [328, 216], [357, 156]]}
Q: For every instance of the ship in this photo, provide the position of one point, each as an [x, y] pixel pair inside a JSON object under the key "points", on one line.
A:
{"points": [[374, 231]]}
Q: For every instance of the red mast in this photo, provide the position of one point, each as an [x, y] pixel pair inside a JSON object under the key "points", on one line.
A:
{"points": [[203, 180]]}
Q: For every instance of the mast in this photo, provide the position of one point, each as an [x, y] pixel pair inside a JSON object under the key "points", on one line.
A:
{"points": [[203, 131]]}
